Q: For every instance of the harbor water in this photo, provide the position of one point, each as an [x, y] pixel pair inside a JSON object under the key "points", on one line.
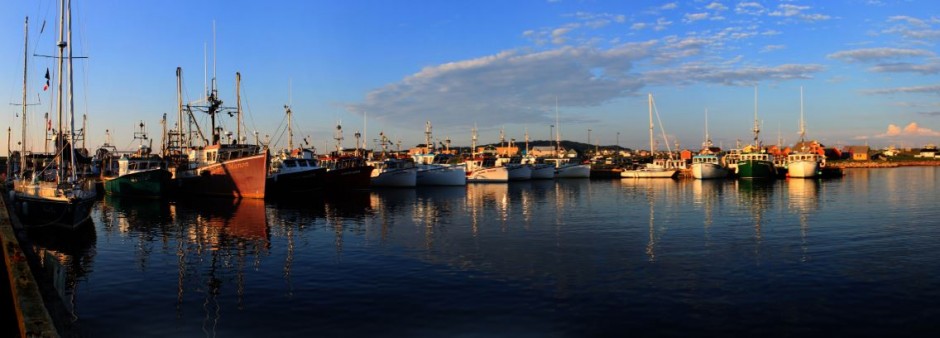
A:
{"points": [[855, 256]]}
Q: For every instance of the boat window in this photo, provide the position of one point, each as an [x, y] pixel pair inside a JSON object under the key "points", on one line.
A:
{"points": [[290, 163]]}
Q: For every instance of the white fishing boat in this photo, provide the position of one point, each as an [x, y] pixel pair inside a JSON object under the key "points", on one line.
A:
{"points": [[435, 169], [394, 172], [707, 164], [484, 170], [516, 170], [804, 163], [539, 170], [53, 194], [660, 168], [564, 166]]}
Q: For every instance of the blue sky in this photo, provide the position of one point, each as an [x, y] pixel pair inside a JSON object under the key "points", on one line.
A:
{"points": [[869, 68]]}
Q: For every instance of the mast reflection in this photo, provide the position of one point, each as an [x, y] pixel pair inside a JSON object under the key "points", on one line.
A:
{"points": [[755, 194], [803, 199]]}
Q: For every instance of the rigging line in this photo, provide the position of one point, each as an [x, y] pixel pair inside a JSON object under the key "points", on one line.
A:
{"points": [[665, 139]]}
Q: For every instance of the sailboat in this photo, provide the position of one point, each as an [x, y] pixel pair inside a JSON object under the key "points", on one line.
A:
{"points": [[754, 162], [707, 164], [657, 169], [54, 194], [803, 163], [215, 168]]}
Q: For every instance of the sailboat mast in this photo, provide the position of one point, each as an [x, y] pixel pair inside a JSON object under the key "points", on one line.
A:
{"points": [[179, 105], [708, 141], [650, 103], [61, 66], [71, 99], [25, 66], [427, 137]]}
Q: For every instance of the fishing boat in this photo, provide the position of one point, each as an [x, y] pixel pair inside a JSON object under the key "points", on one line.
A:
{"points": [[141, 174], [564, 167], [707, 164], [539, 170], [656, 169], [754, 162], [53, 194], [435, 169], [212, 167], [483, 169], [394, 172], [293, 171], [804, 163], [345, 170]]}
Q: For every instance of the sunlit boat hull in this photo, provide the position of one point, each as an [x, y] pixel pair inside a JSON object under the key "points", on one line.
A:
{"points": [[488, 175], [36, 205], [243, 177], [803, 169], [649, 173], [705, 171]]}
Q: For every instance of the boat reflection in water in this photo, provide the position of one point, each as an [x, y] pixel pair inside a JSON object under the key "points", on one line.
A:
{"points": [[755, 197], [65, 257], [803, 199]]}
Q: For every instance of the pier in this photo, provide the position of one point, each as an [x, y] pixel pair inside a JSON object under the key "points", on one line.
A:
{"points": [[24, 313]]}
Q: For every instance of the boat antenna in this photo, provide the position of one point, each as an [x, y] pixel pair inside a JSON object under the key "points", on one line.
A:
{"points": [[756, 123]]}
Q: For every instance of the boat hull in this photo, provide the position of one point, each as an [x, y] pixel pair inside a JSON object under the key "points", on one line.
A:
{"points": [[243, 177], [756, 169], [573, 171], [401, 178], [519, 173], [442, 175], [704, 171], [542, 172], [355, 177], [649, 173], [150, 183], [488, 175], [295, 183], [803, 169], [39, 212]]}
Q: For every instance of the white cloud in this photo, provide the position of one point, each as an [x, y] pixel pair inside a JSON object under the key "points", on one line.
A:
{"points": [[791, 11], [912, 129], [930, 68], [749, 8], [934, 89], [671, 5], [876, 54], [638, 26], [692, 17], [509, 87], [717, 6], [710, 73], [558, 34], [771, 48], [661, 24]]}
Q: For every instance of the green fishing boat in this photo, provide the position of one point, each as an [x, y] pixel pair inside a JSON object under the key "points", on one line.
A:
{"points": [[756, 165], [139, 176]]}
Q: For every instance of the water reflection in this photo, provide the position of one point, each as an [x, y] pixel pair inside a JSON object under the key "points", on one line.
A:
{"points": [[755, 196], [803, 199], [65, 257]]}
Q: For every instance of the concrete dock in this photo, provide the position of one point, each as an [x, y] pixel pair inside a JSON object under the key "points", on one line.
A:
{"points": [[22, 307]]}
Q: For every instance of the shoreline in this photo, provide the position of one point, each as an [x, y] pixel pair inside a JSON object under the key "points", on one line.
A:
{"points": [[882, 164]]}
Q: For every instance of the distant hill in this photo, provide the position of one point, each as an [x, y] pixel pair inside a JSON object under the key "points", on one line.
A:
{"points": [[580, 147]]}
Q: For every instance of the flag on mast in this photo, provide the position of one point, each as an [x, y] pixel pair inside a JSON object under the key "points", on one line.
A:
{"points": [[46, 86]]}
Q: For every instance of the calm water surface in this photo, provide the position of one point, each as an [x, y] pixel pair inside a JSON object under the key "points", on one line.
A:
{"points": [[853, 256]]}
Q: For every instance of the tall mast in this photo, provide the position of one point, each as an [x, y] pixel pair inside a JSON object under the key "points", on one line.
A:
{"points": [[756, 123], [238, 105], [25, 63], [290, 129], [71, 98], [708, 141], [527, 141], [179, 105], [473, 141], [61, 58], [557, 131], [649, 100], [427, 137], [802, 123]]}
